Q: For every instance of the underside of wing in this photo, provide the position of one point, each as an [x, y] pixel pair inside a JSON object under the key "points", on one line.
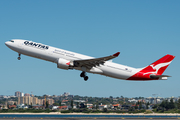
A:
{"points": [[89, 63]]}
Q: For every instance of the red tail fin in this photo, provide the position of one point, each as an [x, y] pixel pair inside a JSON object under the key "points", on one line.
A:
{"points": [[159, 66], [156, 68]]}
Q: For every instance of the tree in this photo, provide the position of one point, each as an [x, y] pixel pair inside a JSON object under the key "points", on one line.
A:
{"points": [[82, 105], [59, 103], [140, 105], [136, 107], [56, 104], [7, 105], [97, 105], [171, 104], [77, 104], [147, 104], [72, 103], [47, 104], [131, 109], [111, 97], [30, 106], [43, 104], [166, 104], [105, 110], [155, 106], [121, 102], [163, 104], [178, 104], [140, 97], [93, 107]]}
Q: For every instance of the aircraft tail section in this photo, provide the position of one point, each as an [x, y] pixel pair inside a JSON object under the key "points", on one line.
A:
{"points": [[159, 66], [155, 70]]}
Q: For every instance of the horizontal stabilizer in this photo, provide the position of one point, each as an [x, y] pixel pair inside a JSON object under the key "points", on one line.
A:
{"points": [[160, 77]]}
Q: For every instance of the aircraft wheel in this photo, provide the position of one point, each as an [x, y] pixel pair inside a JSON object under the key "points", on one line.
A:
{"points": [[82, 74], [19, 58], [86, 78]]}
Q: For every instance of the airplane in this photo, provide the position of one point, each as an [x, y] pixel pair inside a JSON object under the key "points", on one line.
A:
{"points": [[103, 66]]}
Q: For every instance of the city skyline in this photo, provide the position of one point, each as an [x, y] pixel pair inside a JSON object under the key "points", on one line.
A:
{"points": [[68, 93], [66, 99]]}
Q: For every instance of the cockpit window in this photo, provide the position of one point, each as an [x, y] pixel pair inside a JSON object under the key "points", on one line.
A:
{"points": [[11, 40]]}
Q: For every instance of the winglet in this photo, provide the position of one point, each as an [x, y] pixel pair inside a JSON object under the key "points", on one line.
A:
{"points": [[116, 54]]}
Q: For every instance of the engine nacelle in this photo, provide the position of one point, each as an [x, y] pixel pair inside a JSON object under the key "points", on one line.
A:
{"points": [[63, 63]]}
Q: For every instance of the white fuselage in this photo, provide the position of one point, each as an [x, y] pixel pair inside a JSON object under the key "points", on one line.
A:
{"points": [[52, 54]]}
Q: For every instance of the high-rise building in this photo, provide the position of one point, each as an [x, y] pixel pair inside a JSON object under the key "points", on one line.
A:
{"points": [[40, 101], [31, 95], [18, 94], [34, 100], [22, 94], [50, 101], [27, 94], [28, 100], [66, 94], [20, 100], [31, 100]]}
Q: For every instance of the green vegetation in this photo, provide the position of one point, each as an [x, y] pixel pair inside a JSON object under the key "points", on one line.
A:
{"points": [[26, 111], [85, 110], [167, 107], [148, 112]]}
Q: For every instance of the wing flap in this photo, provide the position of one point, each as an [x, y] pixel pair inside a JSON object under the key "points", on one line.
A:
{"points": [[89, 63]]}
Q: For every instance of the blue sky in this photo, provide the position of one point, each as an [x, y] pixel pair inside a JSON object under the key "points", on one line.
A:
{"points": [[143, 31]]}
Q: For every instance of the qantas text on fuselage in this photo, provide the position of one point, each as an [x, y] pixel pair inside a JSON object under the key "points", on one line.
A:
{"points": [[71, 60]]}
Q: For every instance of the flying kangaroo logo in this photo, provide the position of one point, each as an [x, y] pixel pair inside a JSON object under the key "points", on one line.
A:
{"points": [[157, 67]]}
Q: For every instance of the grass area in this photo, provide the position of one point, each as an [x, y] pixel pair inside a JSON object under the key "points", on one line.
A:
{"points": [[101, 111], [87, 111], [167, 111], [26, 111]]}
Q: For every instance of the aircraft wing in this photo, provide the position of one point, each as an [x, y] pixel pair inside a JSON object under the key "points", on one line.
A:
{"points": [[89, 63]]}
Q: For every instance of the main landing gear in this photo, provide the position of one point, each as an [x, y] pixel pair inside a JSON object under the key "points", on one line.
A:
{"points": [[19, 57], [83, 74]]}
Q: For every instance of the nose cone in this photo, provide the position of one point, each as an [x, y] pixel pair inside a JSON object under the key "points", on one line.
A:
{"points": [[8, 44]]}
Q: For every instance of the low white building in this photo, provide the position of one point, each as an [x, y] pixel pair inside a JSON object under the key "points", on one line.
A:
{"points": [[133, 101], [79, 101], [55, 107], [22, 106], [101, 107]]}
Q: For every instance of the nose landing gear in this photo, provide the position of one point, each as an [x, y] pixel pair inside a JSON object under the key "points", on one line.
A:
{"points": [[19, 57], [83, 74]]}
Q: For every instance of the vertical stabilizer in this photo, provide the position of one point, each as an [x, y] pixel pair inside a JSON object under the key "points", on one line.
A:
{"points": [[156, 69], [159, 66]]}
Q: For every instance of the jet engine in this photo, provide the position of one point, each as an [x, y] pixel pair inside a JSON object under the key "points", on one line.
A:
{"points": [[64, 64]]}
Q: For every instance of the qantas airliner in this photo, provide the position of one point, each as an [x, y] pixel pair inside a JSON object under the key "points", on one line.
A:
{"points": [[71, 60]]}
